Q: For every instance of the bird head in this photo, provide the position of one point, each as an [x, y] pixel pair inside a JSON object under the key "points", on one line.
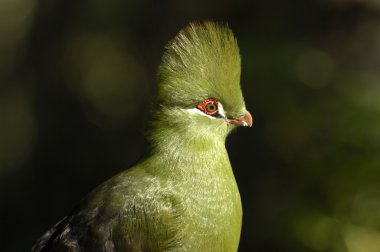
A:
{"points": [[199, 81]]}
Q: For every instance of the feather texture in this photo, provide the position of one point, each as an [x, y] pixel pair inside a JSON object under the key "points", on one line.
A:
{"points": [[203, 61], [183, 195]]}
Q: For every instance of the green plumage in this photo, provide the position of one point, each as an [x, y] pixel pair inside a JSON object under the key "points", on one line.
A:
{"points": [[202, 60], [183, 195]]}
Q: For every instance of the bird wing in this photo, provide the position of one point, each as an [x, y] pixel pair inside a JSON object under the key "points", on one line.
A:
{"points": [[44, 239], [127, 213]]}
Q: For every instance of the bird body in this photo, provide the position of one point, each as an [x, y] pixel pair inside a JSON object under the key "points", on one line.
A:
{"points": [[183, 195]]}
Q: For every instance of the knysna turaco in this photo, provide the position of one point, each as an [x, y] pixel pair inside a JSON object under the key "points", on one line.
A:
{"points": [[182, 196]]}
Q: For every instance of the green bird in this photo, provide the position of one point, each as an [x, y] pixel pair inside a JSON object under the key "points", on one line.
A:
{"points": [[183, 195]]}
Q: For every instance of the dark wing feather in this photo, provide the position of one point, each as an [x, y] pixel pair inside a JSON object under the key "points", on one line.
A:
{"points": [[79, 232], [57, 239]]}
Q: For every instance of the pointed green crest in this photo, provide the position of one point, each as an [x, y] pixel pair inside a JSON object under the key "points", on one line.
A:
{"points": [[201, 62]]}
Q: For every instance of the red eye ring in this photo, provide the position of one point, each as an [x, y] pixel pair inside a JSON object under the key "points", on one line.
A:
{"points": [[209, 106]]}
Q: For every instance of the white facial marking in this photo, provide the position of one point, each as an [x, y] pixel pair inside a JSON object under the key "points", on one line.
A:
{"points": [[221, 110], [197, 111]]}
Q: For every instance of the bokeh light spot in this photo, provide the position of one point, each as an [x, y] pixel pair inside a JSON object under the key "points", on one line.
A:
{"points": [[317, 231], [315, 68], [17, 129], [365, 208], [362, 239], [16, 21], [110, 78]]}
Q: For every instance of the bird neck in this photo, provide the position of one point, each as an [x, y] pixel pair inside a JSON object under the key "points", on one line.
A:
{"points": [[187, 148]]}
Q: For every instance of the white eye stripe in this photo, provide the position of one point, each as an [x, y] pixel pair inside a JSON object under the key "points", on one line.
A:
{"points": [[221, 110], [197, 111]]}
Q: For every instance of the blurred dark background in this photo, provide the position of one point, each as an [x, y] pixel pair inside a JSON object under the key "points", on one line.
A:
{"points": [[75, 82]]}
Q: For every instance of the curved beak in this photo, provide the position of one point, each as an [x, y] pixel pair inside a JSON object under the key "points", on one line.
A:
{"points": [[245, 120]]}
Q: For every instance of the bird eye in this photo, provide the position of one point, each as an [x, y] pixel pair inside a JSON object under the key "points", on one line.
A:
{"points": [[209, 106]]}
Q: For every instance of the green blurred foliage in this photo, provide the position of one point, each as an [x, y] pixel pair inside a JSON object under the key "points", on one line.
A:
{"points": [[76, 80]]}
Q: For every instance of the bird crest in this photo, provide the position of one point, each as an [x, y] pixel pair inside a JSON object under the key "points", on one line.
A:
{"points": [[202, 62]]}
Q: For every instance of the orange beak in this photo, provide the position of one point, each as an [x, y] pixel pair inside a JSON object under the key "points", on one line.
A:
{"points": [[245, 120]]}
